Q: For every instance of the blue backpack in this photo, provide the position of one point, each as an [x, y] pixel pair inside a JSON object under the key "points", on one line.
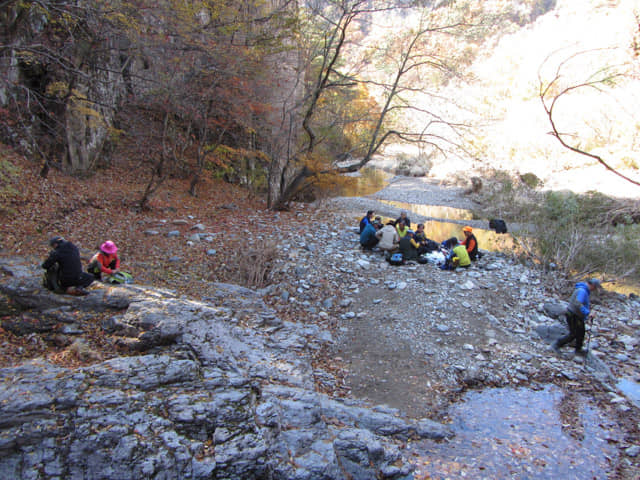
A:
{"points": [[396, 259]]}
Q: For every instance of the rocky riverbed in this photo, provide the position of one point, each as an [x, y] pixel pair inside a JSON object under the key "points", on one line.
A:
{"points": [[343, 367]]}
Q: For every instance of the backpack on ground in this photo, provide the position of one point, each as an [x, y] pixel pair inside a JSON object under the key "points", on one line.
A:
{"points": [[119, 278], [431, 246], [498, 225], [51, 280], [396, 259], [422, 259]]}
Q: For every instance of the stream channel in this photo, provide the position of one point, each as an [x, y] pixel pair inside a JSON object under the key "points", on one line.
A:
{"points": [[535, 432]]}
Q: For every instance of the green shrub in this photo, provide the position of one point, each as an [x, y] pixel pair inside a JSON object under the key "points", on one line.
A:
{"points": [[530, 180], [576, 232]]}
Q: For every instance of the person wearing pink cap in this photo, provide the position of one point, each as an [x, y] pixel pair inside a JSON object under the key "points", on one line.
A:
{"points": [[105, 261]]}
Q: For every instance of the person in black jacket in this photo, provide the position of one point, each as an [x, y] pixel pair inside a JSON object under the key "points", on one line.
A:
{"points": [[408, 247], [64, 268]]}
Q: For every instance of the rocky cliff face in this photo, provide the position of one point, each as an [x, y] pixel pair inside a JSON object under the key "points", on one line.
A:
{"points": [[65, 80], [218, 390]]}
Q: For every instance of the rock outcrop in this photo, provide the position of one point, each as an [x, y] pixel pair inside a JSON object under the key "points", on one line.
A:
{"points": [[218, 390]]}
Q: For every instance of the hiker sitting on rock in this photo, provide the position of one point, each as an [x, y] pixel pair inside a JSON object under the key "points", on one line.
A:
{"points": [[577, 313], [408, 247], [368, 238], [457, 256], [425, 245], [366, 220], [105, 261], [403, 218], [388, 237], [470, 242], [401, 227], [64, 269]]}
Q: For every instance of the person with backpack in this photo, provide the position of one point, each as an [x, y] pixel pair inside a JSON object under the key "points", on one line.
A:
{"points": [[388, 237], [577, 313], [366, 220], [105, 261], [368, 238], [64, 269], [470, 243], [408, 247]]}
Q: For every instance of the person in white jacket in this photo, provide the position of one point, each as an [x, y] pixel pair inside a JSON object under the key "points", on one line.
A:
{"points": [[388, 237]]}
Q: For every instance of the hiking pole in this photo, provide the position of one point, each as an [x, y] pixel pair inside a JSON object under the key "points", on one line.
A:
{"points": [[590, 318]]}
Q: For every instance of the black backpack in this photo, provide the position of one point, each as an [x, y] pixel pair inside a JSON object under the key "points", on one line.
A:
{"points": [[498, 225]]}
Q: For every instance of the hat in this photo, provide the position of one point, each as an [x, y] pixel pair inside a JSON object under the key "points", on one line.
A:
{"points": [[595, 282], [55, 240], [467, 229], [109, 247]]}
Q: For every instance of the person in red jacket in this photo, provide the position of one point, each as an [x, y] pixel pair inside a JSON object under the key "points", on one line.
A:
{"points": [[470, 243], [105, 261]]}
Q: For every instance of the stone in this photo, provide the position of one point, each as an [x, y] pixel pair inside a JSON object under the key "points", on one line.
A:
{"points": [[632, 451], [345, 302], [468, 285], [173, 233]]}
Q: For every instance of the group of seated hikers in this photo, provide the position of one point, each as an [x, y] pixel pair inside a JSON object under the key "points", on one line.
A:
{"points": [[398, 237], [63, 267]]}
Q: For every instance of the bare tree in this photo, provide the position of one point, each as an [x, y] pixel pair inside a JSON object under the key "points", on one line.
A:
{"points": [[411, 52], [552, 91]]}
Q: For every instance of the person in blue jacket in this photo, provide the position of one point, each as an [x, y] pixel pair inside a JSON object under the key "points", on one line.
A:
{"points": [[368, 238], [366, 220], [577, 313]]}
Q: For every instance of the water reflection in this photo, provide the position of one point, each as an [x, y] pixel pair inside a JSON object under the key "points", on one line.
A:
{"points": [[631, 390], [433, 211], [521, 434], [367, 181]]}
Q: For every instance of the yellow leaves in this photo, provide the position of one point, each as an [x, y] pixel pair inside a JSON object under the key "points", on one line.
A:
{"points": [[57, 89]]}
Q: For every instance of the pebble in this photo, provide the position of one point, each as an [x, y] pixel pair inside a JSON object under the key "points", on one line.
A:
{"points": [[632, 451]]}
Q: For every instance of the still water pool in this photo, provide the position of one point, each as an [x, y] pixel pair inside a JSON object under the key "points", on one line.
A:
{"points": [[520, 433]]}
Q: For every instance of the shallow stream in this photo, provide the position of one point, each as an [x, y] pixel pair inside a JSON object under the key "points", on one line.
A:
{"points": [[521, 433]]}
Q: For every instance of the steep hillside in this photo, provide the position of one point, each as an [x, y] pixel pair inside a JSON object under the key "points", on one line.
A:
{"points": [[575, 41]]}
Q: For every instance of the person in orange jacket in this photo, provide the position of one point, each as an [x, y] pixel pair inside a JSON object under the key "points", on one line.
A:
{"points": [[105, 261], [470, 243]]}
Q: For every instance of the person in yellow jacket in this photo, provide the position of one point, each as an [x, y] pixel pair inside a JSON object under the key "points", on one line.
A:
{"points": [[457, 257]]}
